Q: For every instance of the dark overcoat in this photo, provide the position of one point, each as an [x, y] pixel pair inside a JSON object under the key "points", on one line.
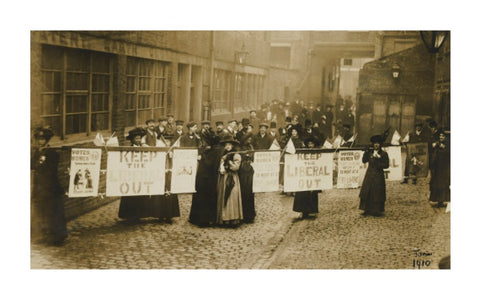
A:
{"points": [[48, 218], [440, 174], [373, 192], [245, 174]]}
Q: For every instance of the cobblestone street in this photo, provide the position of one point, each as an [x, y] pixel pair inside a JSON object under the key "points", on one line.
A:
{"points": [[339, 238]]}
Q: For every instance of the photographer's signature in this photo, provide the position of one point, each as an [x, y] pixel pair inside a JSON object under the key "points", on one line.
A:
{"points": [[421, 259]]}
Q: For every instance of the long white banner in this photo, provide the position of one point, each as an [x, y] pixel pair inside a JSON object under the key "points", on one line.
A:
{"points": [[84, 172], [184, 170], [308, 171], [135, 172], [266, 166]]}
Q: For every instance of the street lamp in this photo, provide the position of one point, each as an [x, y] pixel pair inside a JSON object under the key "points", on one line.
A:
{"points": [[395, 71], [434, 40], [241, 56]]}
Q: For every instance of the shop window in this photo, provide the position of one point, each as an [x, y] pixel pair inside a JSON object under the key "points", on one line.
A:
{"points": [[221, 95], [76, 90]]}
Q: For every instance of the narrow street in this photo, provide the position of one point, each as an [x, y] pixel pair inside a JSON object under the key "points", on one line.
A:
{"points": [[339, 238]]}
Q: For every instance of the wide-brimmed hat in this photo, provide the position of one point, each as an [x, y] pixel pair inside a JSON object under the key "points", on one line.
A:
{"points": [[191, 124], [263, 125], [43, 132], [228, 139], [136, 132], [376, 139]]}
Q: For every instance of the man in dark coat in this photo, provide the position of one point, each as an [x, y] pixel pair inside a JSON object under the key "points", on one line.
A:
{"points": [[373, 192], [191, 139], [411, 167], [432, 139], [161, 129], [170, 127], [48, 222], [178, 131], [207, 134], [317, 114], [440, 176], [262, 140]]}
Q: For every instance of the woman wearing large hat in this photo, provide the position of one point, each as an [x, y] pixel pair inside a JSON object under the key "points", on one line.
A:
{"points": [[48, 222], [229, 196], [373, 192]]}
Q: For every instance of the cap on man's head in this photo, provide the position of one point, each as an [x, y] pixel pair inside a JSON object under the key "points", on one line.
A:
{"points": [[191, 124], [205, 122], [245, 121], [163, 118], [233, 121], [179, 122], [263, 125], [219, 123], [253, 111], [170, 115], [151, 120]]}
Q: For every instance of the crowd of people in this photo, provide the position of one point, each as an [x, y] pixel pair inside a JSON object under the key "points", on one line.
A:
{"points": [[224, 180]]}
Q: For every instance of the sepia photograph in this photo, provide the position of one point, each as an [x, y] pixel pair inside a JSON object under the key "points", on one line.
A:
{"points": [[240, 149], [202, 149]]}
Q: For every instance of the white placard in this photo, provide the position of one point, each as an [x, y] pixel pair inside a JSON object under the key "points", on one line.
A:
{"points": [[349, 163], [308, 171], [184, 170], [84, 172], [267, 169], [135, 172]]}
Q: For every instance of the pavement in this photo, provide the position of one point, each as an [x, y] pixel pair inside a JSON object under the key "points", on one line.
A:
{"points": [[412, 235]]}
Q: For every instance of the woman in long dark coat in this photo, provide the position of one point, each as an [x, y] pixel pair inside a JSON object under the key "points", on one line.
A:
{"points": [[373, 192], [440, 179], [245, 174], [48, 218], [306, 202], [204, 202]]}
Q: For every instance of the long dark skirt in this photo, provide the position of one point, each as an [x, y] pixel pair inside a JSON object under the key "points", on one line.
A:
{"points": [[306, 202], [246, 186], [48, 220], [158, 206]]}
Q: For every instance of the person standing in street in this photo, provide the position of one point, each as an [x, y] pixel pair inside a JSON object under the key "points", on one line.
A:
{"points": [[373, 192], [48, 224], [440, 179], [229, 196], [306, 202], [411, 166], [245, 174]]}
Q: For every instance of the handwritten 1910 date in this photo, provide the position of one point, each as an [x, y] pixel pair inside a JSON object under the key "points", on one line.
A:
{"points": [[421, 259]]}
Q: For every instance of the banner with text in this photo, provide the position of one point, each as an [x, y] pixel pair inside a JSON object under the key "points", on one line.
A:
{"points": [[417, 157], [84, 172], [135, 172], [394, 171], [266, 167], [184, 170], [349, 163], [308, 171]]}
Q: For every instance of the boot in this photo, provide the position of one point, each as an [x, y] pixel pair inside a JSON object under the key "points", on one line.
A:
{"points": [[414, 181], [405, 181]]}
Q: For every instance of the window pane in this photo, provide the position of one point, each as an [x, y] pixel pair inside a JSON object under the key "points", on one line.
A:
{"points": [[77, 103], [145, 68], [143, 101], [99, 102], [144, 84], [130, 101], [52, 58], [100, 83], [78, 61], [99, 122], [77, 81], [101, 63], [76, 123], [50, 104], [51, 81], [130, 84]]}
